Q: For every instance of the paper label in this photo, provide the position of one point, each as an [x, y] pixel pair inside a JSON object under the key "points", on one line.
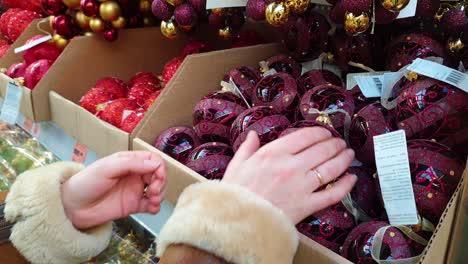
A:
{"points": [[409, 10], [370, 85], [33, 43], [79, 153], [391, 158], [316, 64], [211, 4], [11, 103], [440, 72], [269, 72]]}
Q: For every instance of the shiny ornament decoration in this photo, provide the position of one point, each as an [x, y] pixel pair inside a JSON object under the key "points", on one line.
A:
{"points": [[72, 4], [162, 10], [82, 20], [169, 29], [53, 7], [113, 112], [454, 21], [199, 5], [17, 70], [89, 7], [276, 14], [455, 46], [314, 78], [145, 6], [225, 33], [255, 9], [360, 101], [245, 78], [283, 63], [365, 194], [178, 142], [45, 50], [394, 5], [210, 160], [356, 24], [357, 49], [185, 16], [297, 6], [109, 11], [111, 34], [60, 41], [35, 72], [175, 2], [96, 25], [64, 26], [119, 23]]}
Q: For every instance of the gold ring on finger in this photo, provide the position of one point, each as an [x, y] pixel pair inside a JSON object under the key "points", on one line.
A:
{"points": [[319, 177]]}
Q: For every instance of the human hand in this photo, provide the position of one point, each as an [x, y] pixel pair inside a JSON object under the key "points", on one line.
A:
{"points": [[282, 171], [114, 187]]}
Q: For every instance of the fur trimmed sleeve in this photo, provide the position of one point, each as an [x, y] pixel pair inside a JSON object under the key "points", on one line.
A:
{"points": [[42, 232], [232, 223]]}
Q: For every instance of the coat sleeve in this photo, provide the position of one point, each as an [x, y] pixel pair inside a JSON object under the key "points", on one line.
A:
{"points": [[229, 222], [42, 232]]}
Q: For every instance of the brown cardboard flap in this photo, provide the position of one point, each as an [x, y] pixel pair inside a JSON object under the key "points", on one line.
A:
{"points": [[26, 107], [96, 134], [310, 252], [175, 185]]}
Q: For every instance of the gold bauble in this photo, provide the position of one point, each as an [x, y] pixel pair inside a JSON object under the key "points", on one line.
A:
{"points": [[394, 5], [169, 29], [149, 21], [51, 21], [62, 43], [325, 119], [175, 2], [276, 14], [145, 6], [109, 11], [455, 46], [89, 34], [72, 4], [355, 25], [55, 37], [225, 33], [81, 20], [119, 23], [96, 24], [297, 6]]}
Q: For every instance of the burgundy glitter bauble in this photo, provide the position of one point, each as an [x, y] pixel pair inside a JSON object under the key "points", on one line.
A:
{"points": [[111, 34], [195, 47], [454, 21], [307, 36], [35, 72], [64, 26], [198, 5], [279, 91], [370, 121], [214, 115], [236, 19], [337, 13], [309, 123], [406, 48], [365, 193], [185, 16], [328, 227], [327, 97], [46, 50], [17, 70], [427, 8], [430, 109], [255, 9], [283, 63], [178, 142], [314, 78], [360, 101], [357, 49], [162, 10], [89, 8], [262, 119], [210, 160], [245, 78], [357, 6], [358, 244], [384, 16], [435, 173], [53, 7]]}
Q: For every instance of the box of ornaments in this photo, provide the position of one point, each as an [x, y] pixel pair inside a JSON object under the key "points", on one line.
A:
{"points": [[216, 98]]}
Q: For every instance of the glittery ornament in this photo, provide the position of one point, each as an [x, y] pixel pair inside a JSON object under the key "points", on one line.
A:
{"points": [[53, 7], [169, 29], [314, 78], [329, 227], [17, 70], [357, 49], [185, 16], [18, 23], [198, 5], [283, 63], [454, 21], [162, 10], [360, 101], [365, 193], [384, 16], [175, 2], [245, 78], [64, 26], [114, 112], [355, 24], [115, 86], [178, 142], [210, 160], [111, 34], [309, 123], [394, 5], [109, 11], [276, 14], [89, 7], [255, 9], [141, 92], [195, 47], [427, 8], [297, 6], [357, 6], [145, 77], [35, 72], [45, 50], [337, 13], [132, 120]]}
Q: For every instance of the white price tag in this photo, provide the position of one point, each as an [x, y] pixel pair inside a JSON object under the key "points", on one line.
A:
{"points": [[316, 64], [440, 72], [33, 43], [409, 10], [269, 72], [211, 4], [11, 103], [391, 158], [370, 85]]}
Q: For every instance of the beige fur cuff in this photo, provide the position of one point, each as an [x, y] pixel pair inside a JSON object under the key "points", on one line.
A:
{"points": [[42, 232], [232, 223]]}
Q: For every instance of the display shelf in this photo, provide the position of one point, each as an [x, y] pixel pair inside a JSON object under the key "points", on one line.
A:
{"points": [[63, 145]]}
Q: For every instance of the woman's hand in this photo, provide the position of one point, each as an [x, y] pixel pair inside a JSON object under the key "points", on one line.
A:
{"points": [[283, 173], [114, 187]]}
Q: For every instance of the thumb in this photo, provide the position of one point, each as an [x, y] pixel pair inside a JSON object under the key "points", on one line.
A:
{"points": [[247, 149]]}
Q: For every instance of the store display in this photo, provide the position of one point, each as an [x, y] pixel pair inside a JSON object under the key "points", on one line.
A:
{"points": [[178, 142], [210, 159]]}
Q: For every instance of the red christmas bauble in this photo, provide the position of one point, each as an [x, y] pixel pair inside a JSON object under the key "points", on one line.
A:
{"points": [[178, 142], [360, 101], [17, 70], [214, 115], [358, 244], [64, 26], [406, 48], [132, 120], [162, 10], [430, 109], [195, 47], [53, 7], [210, 160], [149, 102], [185, 16], [356, 49], [309, 123], [255, 9], [141, 92], [111, 34], [35, 72], [45, 50], [170, 69], [365, 193], [95, 98], [245, 78], [279, 91], [370, 121], [113, 85], [283, 63], [262, 119], [90, 8], [328, 227], [314, 78], [247, 38], [114, 112], [145, 77], [18, 23]]}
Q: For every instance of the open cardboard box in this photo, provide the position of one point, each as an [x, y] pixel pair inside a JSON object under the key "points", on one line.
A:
{"points": [[34, 103], [201, 74]]}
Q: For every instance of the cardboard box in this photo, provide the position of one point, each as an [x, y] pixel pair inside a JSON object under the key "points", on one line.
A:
{"points": [[201, 74], [34, 103]]}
